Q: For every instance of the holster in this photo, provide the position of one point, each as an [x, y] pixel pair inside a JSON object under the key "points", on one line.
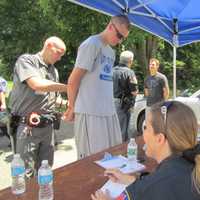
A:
{"points": [[56, 123], [127, 102], [14, 123]]}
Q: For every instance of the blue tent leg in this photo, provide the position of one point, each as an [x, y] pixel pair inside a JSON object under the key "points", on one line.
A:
{"points": [[174, 71]]}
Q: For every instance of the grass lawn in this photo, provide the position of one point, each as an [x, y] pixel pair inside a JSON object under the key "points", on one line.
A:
{"points": [[10, 84]]}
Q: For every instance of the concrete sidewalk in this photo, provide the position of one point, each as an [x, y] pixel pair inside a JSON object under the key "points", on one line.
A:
{"points": [[65, 152]]}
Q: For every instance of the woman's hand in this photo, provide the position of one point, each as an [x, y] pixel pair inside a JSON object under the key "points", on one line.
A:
{"points": [[117, 176], [99, 195]]}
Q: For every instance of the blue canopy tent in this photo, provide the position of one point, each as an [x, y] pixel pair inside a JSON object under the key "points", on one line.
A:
{"points": [[176, 21]]}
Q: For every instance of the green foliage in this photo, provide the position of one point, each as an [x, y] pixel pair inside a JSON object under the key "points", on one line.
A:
{"points": [[23, 27], [4, 71], [25, 24]]}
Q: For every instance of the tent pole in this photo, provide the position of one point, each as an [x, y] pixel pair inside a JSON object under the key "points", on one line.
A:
{"points": [[174, 71], [175, 44]]}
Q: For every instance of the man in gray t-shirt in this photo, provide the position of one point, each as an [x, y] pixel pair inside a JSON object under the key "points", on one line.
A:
{"points": [[90, 90], [156, 87], [33, 99]]}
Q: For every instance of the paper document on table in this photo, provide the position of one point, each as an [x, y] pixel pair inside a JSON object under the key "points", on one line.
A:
{"points": [[115, 189], [121, 163]]}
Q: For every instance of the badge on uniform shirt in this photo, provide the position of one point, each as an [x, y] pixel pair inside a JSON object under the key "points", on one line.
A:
{"points": [[123, 196]]}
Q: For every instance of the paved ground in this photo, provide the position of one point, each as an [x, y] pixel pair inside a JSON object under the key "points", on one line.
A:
{"points": [[65, 152]]}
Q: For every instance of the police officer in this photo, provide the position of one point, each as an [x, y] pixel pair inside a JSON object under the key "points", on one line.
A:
{"points": [[35, 94], [3, 88], [125, 90], [3, 113]]}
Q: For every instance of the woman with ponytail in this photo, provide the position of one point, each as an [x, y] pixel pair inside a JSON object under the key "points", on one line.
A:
{"points": [[171, 139]]}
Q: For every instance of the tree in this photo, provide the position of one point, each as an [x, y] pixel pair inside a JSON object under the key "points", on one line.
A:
{"points": [[25, 24]]}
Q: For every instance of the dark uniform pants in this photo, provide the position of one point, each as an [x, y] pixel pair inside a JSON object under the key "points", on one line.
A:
{"points": [[35, 145], [124, 118]]}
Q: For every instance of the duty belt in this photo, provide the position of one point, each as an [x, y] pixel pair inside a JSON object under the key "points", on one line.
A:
{"points": [[38, 120]]}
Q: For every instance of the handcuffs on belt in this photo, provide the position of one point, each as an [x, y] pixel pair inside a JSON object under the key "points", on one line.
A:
{"points": [[42, 120], [34, 119]]}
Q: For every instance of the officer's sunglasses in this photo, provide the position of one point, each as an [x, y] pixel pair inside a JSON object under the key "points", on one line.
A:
{"points": [[118, 34]]}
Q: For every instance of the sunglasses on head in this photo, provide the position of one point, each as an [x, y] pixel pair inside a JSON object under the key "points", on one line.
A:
{"points": [[165, 108], [118, 34]]}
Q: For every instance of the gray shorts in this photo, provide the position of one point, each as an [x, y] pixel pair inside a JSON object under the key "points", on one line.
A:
{"points": [[96, 133]]}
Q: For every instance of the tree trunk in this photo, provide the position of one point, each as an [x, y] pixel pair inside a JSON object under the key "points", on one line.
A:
{"points": [[145, 50]]}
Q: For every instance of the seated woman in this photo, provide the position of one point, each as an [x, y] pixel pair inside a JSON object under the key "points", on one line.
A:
{"points": [[171, 138]]}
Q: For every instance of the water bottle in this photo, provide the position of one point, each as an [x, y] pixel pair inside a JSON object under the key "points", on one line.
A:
{"points": [[18, 175], [198, 134], [45, 181], [131, 152]]}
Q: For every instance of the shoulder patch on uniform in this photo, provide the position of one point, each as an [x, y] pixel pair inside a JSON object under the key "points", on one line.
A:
{"points": [[133, 80], [123, 196]]}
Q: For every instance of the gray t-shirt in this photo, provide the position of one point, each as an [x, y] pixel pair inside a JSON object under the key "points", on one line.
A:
{"points": [[155, 85], [95, 95], [23, 99]]}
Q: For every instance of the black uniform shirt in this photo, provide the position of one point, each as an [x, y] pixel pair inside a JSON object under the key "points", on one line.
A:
{"points": [[171, 181], [124, 81]]}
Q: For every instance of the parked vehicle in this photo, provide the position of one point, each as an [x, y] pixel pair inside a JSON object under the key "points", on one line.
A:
{"points": [[138, 115]]}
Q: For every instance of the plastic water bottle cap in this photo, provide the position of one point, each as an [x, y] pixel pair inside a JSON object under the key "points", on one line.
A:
{"points": [[16, 155], [132, 140], [45, 162]]}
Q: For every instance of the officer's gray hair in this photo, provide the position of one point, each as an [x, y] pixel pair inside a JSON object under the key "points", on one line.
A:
{"points": [[126, 57]]}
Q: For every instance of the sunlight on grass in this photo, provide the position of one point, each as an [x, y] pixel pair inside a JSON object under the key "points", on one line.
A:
{"points": [[9, 87], [10, 84]]}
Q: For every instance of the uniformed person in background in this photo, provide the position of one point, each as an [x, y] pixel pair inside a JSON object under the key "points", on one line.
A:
{"points": [[33, 100], [171, 139], [3, 88], [125, 90], [3, 112]]}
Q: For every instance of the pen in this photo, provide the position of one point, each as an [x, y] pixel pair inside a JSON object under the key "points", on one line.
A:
{"points": [[122, 166]]}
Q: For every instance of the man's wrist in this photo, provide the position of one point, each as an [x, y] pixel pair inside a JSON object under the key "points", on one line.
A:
{"points": [[70, 106]]}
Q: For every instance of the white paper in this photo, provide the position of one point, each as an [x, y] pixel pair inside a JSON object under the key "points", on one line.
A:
{"points": [[114, 189], [114, 162], [121, 163]]}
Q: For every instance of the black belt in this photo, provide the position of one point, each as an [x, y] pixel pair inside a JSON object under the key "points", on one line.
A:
{"points": [[43, 121], [23, 120]]}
